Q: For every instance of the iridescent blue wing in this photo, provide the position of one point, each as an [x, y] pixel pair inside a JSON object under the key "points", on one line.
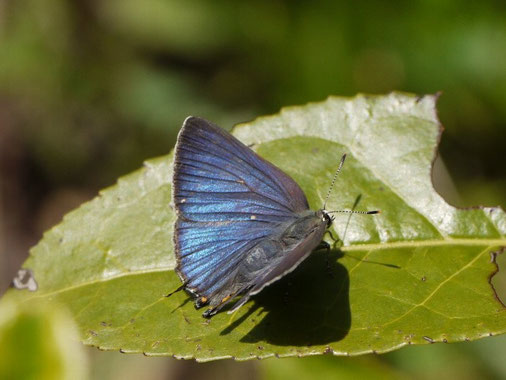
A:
{"points": [[227, 199]]}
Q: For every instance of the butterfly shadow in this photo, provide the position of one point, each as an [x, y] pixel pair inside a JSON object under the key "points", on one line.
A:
{"points": [[309, 306]]}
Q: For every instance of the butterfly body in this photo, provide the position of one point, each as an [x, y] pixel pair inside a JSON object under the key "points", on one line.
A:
{"points": [[241, 223]]}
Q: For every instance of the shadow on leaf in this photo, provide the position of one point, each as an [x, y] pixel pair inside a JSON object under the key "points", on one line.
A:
{"points": [[309, 306]]}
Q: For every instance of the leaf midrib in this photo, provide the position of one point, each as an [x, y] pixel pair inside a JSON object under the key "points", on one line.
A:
{"points": [[426, 243], [490, 243]]}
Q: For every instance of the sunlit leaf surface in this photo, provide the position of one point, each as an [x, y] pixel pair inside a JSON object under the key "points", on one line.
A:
{"points": [[415, 274]]}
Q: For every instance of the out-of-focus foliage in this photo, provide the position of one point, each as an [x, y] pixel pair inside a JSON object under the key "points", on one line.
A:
{"points": [[480, 360], [329, 368], [84, 74], [37, 342]]}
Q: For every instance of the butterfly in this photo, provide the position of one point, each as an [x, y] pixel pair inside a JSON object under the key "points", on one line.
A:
{"points": [[242, 223]]}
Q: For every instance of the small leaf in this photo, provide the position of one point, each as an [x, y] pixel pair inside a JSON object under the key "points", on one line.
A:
{"points": [[38, 342], [416, 273]]}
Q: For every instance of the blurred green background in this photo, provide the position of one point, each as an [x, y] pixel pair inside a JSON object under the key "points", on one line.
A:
{"points": [[90, 89]]}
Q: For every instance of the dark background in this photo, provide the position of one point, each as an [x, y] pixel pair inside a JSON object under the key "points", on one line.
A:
{"points": [[90, 89]]}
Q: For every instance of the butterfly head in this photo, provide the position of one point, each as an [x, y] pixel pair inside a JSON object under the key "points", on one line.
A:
{"points": [[325, 217]]}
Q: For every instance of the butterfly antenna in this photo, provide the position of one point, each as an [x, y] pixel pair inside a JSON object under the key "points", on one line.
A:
{"points": [[355, 212], [334, 180]]}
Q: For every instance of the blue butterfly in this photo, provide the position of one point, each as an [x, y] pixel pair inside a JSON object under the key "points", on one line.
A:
{"points": [[241, 223]]}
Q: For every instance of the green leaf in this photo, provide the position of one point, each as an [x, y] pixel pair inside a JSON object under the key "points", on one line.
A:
{"points": [[38, 342], [111, 261]]}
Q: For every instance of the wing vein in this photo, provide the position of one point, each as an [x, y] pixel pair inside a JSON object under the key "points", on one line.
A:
{"points": [[255, 168]]}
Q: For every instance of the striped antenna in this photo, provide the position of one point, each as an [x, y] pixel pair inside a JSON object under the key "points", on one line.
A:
{"points": [[334, 180], [355, 212]]}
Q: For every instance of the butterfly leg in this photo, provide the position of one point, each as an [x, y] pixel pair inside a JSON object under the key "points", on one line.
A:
{"points": [[332, 236], [323, 245], [212, 311], [201, 302]]}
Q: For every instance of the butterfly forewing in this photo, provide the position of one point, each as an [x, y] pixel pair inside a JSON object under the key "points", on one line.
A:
{"points": [[228, 201]]}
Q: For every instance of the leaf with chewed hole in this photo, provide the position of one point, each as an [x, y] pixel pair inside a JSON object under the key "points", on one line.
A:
{"points": [[416, 273]]}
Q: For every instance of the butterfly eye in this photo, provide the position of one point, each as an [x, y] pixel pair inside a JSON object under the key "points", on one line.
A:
{"points": [[328, 218]]}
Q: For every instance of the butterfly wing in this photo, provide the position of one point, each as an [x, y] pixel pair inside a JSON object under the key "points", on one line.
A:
{"points": [[294, 249], [227, 199]]}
